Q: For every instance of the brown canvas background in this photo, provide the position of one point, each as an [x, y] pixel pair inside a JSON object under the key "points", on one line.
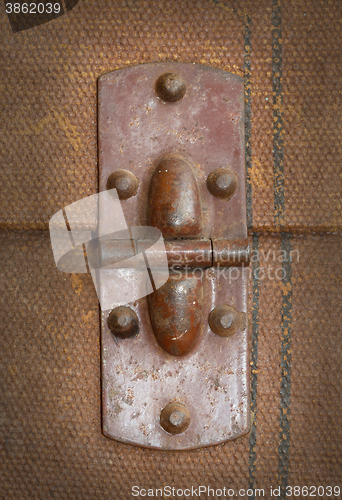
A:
{"points": [[51, 444]]}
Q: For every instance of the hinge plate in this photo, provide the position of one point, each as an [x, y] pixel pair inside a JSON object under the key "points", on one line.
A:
{"points": [[139, 379]]}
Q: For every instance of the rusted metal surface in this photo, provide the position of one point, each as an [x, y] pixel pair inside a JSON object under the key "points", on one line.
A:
{"points": [[174, 205], [140, 378], [136, 128], [196, 135], [176, 312], [188, 254], [228, 253]]}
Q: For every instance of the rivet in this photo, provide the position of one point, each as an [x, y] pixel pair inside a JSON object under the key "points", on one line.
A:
{"points": [[170, 87], [175, 418], [123, 322], [222, 183], [224, 320], [125, 183]]}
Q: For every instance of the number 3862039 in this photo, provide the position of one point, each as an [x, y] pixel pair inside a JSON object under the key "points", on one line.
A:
{"points": [[33, 8]]}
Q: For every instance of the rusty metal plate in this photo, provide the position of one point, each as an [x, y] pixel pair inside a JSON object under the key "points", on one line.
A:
{"points": [[139, 379]]}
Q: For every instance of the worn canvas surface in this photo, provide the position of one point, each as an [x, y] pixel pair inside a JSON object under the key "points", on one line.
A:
{"points": [[289, 53]]}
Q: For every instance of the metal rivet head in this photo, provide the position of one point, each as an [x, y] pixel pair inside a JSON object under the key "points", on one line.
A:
{"points": [[123, 322], [224, 320], [222, 183], [124, 182], [170, 87], [175, 418]]}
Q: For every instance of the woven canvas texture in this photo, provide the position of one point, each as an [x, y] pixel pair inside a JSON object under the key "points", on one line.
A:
{"points": [[48, 98], [52, 444], [289, 53]]}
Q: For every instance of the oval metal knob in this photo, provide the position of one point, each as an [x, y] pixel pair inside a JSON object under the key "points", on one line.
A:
{"points": [[176, 313], [174, 202]]}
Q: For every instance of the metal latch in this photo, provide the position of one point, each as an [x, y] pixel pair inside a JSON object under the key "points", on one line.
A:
{"points": [[174, 363]]}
